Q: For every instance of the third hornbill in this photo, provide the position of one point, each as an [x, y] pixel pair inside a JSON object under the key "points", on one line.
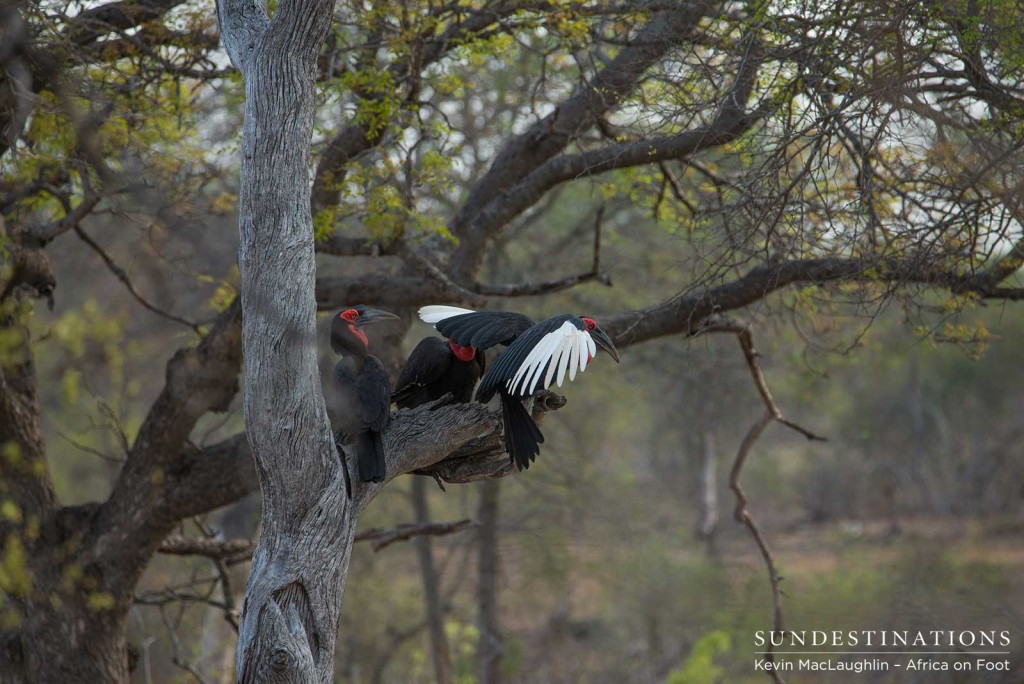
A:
{"points": [[538, 354], [437, 367], [362, 389]]}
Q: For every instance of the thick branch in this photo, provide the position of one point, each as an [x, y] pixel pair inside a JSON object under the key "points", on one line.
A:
{"points": [[731, 121], [357, 138], [141, 509], [69, 221], [24, 478], [242, 24], [384, 288], [114, 17], [686, 312], [572, 117], [234, 550]]}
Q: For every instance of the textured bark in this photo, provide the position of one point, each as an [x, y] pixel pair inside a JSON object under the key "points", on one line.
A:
{"points": [[293, 597], [59, 636]]}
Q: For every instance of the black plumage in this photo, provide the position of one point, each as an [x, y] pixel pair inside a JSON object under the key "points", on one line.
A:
{"points": [[362, 396], [484, 329], [435, 369], [538, 355]]}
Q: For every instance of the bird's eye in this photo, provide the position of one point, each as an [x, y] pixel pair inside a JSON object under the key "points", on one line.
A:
{"points": [[589, 322], [350, 315]]}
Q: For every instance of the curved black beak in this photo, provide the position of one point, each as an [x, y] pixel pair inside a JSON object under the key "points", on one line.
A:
{"points": [[605, 342], [369, 316]]}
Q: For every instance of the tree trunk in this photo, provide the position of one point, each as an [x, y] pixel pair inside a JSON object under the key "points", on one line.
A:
{"points": [[490, 647], [293, 598], [431, 591], [708, 523]]}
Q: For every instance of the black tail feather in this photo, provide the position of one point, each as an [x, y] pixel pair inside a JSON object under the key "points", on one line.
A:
{"points": [[370, 453], [522, 436]]}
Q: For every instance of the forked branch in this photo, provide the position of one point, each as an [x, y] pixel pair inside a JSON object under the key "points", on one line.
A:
{"points": [[724, 324]]}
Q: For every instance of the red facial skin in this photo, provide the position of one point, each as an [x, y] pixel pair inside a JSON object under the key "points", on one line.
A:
{"points": [[462, 353], [351, 315], [591, 325]]}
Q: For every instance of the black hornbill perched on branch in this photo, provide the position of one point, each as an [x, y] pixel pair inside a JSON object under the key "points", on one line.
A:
{"points": [[538, 354], [362, 389], [437, 367]]}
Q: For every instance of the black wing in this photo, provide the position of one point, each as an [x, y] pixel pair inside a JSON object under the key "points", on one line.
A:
{"points": [[373, 393], [484, 329], [429, 361], [508, 363]]}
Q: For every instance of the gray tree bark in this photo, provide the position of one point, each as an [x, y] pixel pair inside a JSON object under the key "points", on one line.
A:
{"points": [[293, 598]]}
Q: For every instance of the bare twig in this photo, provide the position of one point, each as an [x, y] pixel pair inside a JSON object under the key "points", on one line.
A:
{"points": [[451, 288], [383, 538], [230, 610], [123, 277], [772, 414], [677, 190], [533, 289], [82, 446], [176, 648], [724, 324]]}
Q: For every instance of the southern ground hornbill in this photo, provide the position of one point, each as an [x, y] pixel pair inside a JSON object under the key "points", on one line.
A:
{"points": [[538, 354], [362, 392], [437, 367]]}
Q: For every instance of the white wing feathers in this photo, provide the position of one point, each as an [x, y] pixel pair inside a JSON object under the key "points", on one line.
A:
{"points": [[435, 313], [567, 348]]}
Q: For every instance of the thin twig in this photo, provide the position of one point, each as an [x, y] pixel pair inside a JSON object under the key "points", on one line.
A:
{"points": [[744, 517], [383, 538], [123, 277], [176, 648], [231, 613], [724, 324], [453, 289], [534, 289], [81, 446], [677, 190]]}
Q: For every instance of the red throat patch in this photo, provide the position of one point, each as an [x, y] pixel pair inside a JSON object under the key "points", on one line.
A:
{"points": [[462, 353], [360, 334]]}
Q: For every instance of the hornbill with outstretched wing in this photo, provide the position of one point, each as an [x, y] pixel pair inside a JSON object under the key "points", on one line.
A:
{"points": [[538, 354], [362, 396], [453, 366]]}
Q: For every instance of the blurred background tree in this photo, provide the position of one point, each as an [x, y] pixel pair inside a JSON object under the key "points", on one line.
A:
{"points": [[844, 177]]}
